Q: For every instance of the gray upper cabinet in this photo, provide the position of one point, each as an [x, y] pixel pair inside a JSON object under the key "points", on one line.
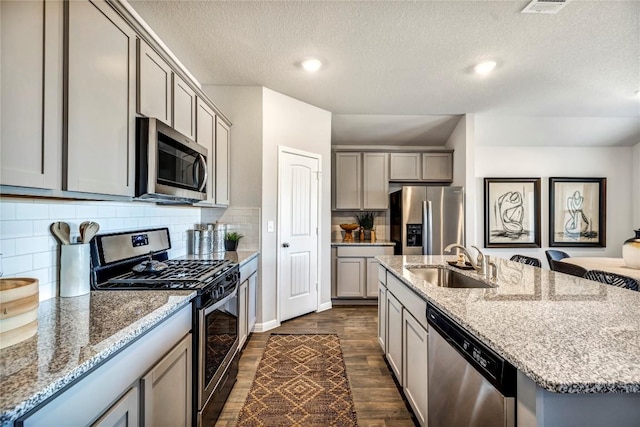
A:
{"points": [[184, 107], [405, 166], [154, 84], [31, 87], [206, 136], [437, 167], [376, 181], [223, 182], [101, 100], [421, 167], [348, 181], [361, 181]]}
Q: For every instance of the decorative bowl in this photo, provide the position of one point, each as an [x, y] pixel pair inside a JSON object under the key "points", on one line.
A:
{"points": [[349, 227]]}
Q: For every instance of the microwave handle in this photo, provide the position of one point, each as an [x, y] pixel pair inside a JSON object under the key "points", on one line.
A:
{"points": [[203, 164]]}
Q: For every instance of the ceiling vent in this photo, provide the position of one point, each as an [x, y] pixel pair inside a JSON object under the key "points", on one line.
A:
{"points": [[545, 6]]}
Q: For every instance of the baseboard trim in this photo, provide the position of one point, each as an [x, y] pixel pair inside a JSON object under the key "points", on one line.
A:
{"points": [[266, 326], [324, 306]]}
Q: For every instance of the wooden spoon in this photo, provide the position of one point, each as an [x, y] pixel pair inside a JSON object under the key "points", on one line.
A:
{"points": [[62, 232], [89, 231]]}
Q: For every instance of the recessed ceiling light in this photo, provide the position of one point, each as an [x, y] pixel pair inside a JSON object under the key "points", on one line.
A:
{"points": [[485, 67], [311, 65]]}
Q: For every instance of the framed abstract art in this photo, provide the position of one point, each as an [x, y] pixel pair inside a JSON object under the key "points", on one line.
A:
{"points": [[512, 212], [577, 212]]}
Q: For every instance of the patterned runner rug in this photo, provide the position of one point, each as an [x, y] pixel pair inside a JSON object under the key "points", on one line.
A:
{"points": [[301, 381]]}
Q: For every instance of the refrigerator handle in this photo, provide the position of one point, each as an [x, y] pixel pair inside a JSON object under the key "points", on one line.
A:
{"points": [[427, 228]]}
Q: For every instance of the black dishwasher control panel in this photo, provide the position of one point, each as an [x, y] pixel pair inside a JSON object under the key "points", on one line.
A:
{"points": [[493, 367]]}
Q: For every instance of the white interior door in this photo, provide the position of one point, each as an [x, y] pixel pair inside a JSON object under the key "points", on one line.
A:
{"points": [[298, 233]]}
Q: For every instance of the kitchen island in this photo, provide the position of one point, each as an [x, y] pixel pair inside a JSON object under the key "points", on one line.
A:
{"points": [[574, 342]]}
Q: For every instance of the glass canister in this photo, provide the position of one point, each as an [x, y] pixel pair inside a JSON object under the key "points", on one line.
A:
{"points": [[631, 251]]}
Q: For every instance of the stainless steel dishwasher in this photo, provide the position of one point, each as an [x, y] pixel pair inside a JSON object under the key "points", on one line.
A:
{"points": [[469, 384]]}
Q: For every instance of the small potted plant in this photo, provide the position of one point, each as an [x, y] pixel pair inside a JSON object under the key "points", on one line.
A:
{"points": [[365, 221], [231, 240]]}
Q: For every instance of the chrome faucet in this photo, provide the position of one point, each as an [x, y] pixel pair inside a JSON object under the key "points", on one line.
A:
{"points": [[480, 265]]}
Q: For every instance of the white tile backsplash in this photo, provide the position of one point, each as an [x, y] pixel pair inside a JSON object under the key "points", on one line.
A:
{"points": [[244, 220], [28, 250], [348, 217]]}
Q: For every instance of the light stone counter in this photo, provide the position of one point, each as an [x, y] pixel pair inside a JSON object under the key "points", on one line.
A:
{"points": [[568, 334], [362, 243], [74, 336]]}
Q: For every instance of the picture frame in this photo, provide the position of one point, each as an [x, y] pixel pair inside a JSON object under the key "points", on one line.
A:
{"points": [[512, 212], [577, 212]]}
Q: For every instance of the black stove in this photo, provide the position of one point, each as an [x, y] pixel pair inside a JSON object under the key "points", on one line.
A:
{"points": [[180, 274], [114, 255]]}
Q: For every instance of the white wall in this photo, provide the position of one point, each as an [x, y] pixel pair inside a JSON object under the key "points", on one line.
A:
{"points": [[29, 250], [636, 186], [614, 163], [462, 141], [494, 130], [243, 106], [294, 124]]}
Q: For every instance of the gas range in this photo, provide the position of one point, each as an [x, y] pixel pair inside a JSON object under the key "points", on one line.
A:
{"points": [[115, 255], [180, 274]]}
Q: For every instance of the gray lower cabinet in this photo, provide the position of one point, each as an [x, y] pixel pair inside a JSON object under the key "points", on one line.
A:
{"points": [[252, 295], [167, 388], [123, 413], [242, 313], [351, 276], [382, 316], [415, 354], [101, 100], [32, 93], [394, 335], [156, 365], [247, 298], [356, 270], [403, 335]]}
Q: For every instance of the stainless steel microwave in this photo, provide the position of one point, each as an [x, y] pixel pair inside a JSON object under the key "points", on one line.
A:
{"points": [[170, 167]]}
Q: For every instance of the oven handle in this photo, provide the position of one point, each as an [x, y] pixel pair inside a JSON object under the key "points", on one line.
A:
{"points": [[218, 304]]}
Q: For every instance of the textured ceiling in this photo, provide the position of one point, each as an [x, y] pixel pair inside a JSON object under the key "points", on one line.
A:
{"points": [[414, 58]]}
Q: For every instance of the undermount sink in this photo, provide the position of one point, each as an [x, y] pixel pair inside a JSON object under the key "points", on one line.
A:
{"points": [[447, 278]]}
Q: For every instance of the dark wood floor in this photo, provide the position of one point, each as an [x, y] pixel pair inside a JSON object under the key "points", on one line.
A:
{"points": [[376, 398]]}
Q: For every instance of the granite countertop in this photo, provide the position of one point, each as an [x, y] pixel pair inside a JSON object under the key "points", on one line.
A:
{"points": [[240, 257], [74, 335], [568, 334], [356, 242]]}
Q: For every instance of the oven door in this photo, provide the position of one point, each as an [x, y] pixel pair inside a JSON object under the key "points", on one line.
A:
{"points": [[218, 336]]}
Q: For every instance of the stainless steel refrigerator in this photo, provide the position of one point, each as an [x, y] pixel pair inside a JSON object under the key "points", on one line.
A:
{"points": [[425, 219]]}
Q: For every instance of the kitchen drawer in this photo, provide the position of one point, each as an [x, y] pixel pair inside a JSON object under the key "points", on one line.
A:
{"points": [[364, 251], [248, 269], [382, 275], [409, 299]]}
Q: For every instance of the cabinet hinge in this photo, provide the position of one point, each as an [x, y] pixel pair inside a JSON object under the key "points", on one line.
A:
{"points": [[316, 286]]}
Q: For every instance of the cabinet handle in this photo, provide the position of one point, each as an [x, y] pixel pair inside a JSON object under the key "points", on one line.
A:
{"points": [[285, 245]]}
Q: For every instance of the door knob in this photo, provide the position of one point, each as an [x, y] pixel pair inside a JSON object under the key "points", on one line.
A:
{"points": [[285, 245]]}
